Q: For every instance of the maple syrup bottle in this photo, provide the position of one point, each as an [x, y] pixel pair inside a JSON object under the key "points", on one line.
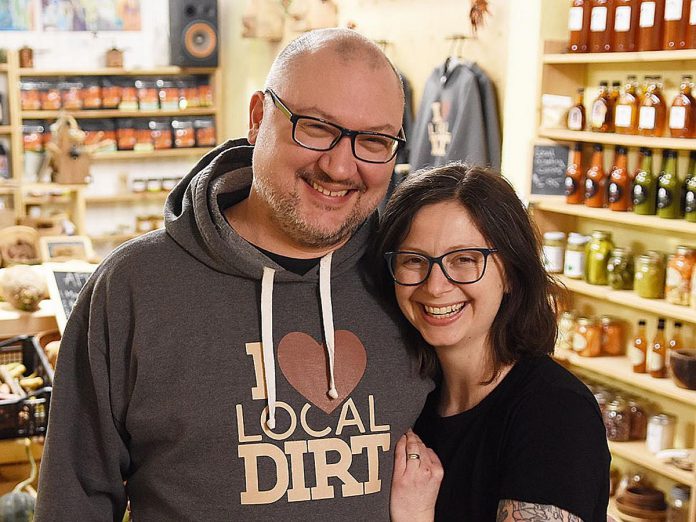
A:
{"points": [[577, 119], [602, 117], [652, 115], [619, 189], [681, 113], [575, 177], [675, 22], [601, 25], [652, 14], [626, 14], [658, 350], [579, 25], [596, 180], [626, 109]]}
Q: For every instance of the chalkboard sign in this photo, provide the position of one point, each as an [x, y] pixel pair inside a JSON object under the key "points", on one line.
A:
{"points": [[548, 169], [65, 280]]}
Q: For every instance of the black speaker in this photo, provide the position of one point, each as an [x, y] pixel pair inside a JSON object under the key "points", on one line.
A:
{"points": [[193, 33]]}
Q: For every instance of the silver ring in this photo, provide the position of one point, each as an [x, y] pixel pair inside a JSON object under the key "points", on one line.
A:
{"points": [[413, 456]]}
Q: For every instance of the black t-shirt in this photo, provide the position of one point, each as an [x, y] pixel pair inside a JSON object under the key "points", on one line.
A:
{"points": [[538, 437]]}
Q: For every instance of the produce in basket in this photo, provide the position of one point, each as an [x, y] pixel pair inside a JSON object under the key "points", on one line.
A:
{"points": [[23, 287]]}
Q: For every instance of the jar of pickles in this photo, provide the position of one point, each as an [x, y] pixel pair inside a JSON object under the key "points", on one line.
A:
{"points": [[566, 328], [649, 281], [617, 421], [678, 280], [620, 269], [597, 254], [587, 337]]}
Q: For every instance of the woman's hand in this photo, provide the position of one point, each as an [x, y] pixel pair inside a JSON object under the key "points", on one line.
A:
{"points": [[415, 482]]}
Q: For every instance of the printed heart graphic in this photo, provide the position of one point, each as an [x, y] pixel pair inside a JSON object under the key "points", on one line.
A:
{"points": [[305, 364]]}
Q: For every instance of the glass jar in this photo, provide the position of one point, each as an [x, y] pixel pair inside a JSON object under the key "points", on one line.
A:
{"points": [[649, 281], [566, 327], [597, 253], [678, 280], [587, 337], [660, 432], [574, 265], [617, 421], [612, 339], [639, 419], [679, 497], [554, 250], [603, 398], [620, 269]]}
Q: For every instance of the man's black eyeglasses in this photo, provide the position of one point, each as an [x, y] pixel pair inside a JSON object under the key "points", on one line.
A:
{"points": [[463, 266], [321, 135]]}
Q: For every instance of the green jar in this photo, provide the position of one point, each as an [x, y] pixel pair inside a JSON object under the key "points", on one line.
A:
{"points": [[597, 252], [645, 187], [620, 269], [649, 281], [690, 204]]}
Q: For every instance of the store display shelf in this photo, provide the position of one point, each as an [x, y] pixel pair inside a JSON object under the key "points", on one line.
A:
{"points": [[47, 199], [6, 188], [619, 368], [636, 452], [630, 298], [129, 197], [645, 56], [162, 153], [116, 113], [558, 205], [53, 188], [16, 322], [4, 67], [114, 238], [114, 71], [610, 138], [5, 129]]}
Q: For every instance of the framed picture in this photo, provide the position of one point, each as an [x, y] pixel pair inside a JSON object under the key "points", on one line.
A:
{"points": [[65, 248], [65, 280]]}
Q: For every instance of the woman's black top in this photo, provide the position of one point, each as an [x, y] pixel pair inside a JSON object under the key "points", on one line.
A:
{"points": [[538, 437]]}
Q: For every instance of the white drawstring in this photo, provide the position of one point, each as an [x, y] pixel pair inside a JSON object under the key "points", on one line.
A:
{"points": [[327, 317], [267, 342]]}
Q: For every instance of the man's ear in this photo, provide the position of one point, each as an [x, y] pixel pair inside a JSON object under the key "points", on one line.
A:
{"points": [[255, 115]]}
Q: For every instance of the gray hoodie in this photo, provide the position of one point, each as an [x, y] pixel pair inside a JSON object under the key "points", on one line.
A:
{"points": [[201, 373]]}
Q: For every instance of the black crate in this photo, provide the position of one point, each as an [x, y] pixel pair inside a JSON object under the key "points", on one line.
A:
{"points": [[27, 416]]}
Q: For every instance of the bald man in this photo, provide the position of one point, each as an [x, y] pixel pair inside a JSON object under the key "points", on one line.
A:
{"points": [[234, 366]]}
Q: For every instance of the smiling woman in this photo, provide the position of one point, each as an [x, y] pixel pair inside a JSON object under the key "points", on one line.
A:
{"points": [[516, 433]]}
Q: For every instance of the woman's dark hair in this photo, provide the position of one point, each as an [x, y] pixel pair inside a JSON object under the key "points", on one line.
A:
{"points": [[526, 320]]}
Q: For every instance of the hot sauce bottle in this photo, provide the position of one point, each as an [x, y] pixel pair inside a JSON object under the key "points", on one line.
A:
{"points": [[626, 14], [645, 186], [639, 350], [658, 349], [596, 179], [619, 188], [652, 115], [602, 117], [674, 30], [579, 25], [601, 25], [690, 189], [576, 114], [650, 25], [681, 113], [626, 110], [669, 187], [575, 179]]}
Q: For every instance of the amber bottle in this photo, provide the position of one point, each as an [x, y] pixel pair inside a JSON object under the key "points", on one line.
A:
{"points": [[658, 350], [639, 350], [575, 177], [619, 189], [579, 25], [596, 180], [602, 117], [681, 113], [652, 14], [653, 111], [626, 14], [626, 109], [577, 119], [675, 22], [601, 26]]}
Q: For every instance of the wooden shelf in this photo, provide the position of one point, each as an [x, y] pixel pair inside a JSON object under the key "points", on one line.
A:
{"points": [[636, 452], [127, 198], [7, 188], [114, 238], [116, 113], [163, 153], [558, 205], [53, 188], [116, 71], [5, 129], [610, 138], [645, 56], [630, 298], [16, 322], [4, 67], [619, 368]]}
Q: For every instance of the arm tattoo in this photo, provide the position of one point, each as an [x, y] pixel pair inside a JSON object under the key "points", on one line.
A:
{"points": [[517, 511]]}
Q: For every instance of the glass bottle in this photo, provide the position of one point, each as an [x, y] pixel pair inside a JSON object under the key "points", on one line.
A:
{"points": [[597, 252], [645, 187], [691, 27], [652, 13], [575, 178], [614, 93], [653, 111], [690, 200], [639, 349], [601, 116], [658, 348], [596, 179], [626, 109], [577, 119], [680, 267], [649, 278], [626, 15], [619, 188], [669, 187], [678, 509], [612, 335], [620, 270], [554, 251], [639, 419], [681, 113], [574, 265], [674, 343], [675, 21], [617, 421], [601, 25], [579, 25], [587, 337]]}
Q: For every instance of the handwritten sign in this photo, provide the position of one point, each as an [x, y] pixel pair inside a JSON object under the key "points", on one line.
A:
{"points": [[65, 281], [548, 169]]}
